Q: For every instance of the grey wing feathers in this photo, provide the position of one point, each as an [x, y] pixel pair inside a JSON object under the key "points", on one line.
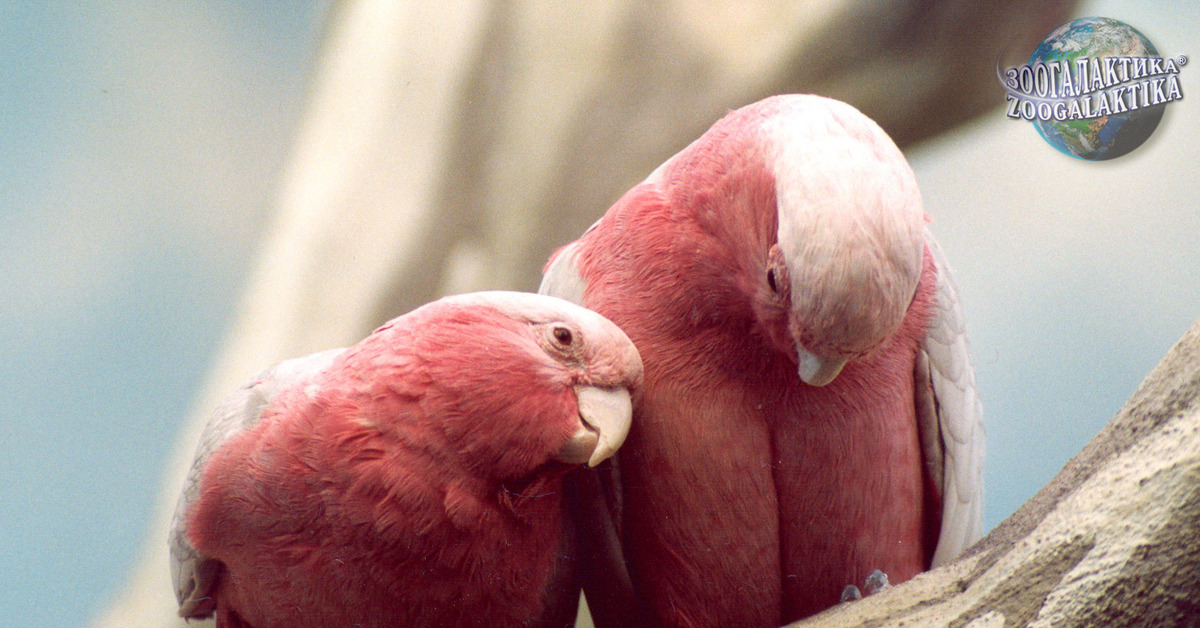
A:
{"points": [[562, 278], [191, 574], [952, 421]]}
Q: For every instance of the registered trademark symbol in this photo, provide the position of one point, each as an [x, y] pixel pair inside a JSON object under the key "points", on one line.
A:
{"points": [[1182, 59]]}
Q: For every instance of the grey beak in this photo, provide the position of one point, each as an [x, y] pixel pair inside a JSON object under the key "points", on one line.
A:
{"points": [[818, 371]]}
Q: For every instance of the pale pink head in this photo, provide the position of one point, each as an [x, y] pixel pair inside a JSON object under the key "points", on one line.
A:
{"points": [[849, 245]]}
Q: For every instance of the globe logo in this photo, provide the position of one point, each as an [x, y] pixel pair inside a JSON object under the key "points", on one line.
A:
{"points": [[1095, 89]]}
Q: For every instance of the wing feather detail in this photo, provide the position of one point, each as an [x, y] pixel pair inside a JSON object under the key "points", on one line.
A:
{"points": [[191, 573], [951, 417]]}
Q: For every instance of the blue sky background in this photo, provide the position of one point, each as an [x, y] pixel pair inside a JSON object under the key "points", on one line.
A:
{"points": [[140, 144], [140, 147]]}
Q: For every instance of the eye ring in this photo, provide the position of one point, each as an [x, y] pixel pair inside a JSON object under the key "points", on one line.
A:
{"points": [[563, 336]]}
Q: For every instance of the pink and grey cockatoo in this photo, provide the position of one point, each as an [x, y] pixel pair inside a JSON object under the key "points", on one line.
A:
{"points": [[413, 479], [809, 412]]}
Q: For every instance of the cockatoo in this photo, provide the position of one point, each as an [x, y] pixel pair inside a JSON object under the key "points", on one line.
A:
{"points": [[413, 479], [809, 412]]}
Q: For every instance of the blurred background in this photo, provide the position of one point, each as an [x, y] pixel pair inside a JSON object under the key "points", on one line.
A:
{"points": [[190, 191]]}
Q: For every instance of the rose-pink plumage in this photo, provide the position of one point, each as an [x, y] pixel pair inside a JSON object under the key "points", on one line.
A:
{"points": [[809, 410], [413, 479]]}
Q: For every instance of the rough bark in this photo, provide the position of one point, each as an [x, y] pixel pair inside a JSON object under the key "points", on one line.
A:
{"points": [[1113, 540]]}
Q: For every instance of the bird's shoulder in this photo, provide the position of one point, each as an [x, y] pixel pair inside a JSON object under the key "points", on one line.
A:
{"points": [[192, 573]]}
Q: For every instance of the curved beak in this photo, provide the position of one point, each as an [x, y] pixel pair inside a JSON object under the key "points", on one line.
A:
{"points": [[606, 414], [816, 370]]}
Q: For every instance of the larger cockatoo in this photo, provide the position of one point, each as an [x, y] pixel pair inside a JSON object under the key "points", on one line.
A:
{"points": [[809, 411], [413, 479]]}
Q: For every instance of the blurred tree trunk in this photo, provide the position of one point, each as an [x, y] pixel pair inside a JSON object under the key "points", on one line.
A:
{"points": [[1113, 540], [450, 146]]}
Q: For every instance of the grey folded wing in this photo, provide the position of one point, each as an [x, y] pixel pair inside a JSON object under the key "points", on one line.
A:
{"points": [[192, 574], [950, 418]]}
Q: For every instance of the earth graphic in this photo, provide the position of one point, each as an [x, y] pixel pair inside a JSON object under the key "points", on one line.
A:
{"points": [[1108, 136]]}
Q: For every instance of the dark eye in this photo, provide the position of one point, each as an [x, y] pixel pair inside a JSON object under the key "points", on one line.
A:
{"points": [[771, 280], [563, 336]]}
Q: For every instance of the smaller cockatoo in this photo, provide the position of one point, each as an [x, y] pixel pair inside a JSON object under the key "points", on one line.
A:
{"points": [[413, 479]]}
